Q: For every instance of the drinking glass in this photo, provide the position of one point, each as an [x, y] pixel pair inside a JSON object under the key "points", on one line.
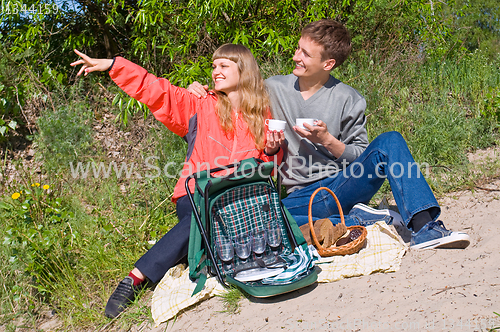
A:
{"points": [[243, 247], [274, 237], [225, 250], [259, 242]]}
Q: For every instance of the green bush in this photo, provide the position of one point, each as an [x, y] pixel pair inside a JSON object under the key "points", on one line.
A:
{"points": [[65, 135], [12, 95]]}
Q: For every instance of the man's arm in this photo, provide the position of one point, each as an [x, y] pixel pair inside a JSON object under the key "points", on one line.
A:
{"points": [[319, 134], [200, 91], [352, 138], [353, 131]]}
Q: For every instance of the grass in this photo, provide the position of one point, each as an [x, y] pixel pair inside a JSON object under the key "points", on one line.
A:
{"points": [[111, 230], [495, 328], [441, 108], [437, 107], [231, 300]]}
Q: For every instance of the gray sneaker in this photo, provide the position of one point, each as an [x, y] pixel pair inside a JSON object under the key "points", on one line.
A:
{"points": [[434, 235]]}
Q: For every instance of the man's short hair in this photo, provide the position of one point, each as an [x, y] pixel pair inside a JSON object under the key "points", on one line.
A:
{"points": [[334, 38]]}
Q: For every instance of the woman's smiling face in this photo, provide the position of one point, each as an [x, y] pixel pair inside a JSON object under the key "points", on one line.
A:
{"points": [[225, 75]]}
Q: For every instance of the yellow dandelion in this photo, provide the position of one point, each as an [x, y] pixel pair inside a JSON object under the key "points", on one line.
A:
{"points": [[35, 184], [46, 186], [15, 195]]}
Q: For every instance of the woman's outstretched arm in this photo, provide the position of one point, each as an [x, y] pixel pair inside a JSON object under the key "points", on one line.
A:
{"points": [[171, 105]]}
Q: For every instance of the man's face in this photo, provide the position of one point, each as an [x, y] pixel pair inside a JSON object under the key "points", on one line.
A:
{"points": [[308, 59]]}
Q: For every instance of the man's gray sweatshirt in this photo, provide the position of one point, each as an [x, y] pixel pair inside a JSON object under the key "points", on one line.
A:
{"points": [[338, 105]]}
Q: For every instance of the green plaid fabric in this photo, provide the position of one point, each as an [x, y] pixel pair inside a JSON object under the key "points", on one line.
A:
{"points": [[245, 209], [300, 263]]}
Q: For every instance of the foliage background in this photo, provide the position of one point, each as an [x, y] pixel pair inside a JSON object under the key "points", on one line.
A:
{"points": [[428, 69]]}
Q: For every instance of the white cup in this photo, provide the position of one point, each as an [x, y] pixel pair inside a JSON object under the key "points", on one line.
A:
{"points": [[277, 125], [299, 122]]}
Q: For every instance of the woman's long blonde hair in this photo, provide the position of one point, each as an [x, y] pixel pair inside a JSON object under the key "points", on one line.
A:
{"points": [[254, 99]]}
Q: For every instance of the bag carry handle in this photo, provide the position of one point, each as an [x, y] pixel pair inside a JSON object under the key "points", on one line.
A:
{"points": [[204, 237], [346, 249]]}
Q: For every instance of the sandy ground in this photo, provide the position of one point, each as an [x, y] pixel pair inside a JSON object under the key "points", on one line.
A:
{"points": [[435, 290]]}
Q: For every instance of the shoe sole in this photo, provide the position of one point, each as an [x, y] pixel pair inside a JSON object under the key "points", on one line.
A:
{"points": [[456, 240], [384, 212]]}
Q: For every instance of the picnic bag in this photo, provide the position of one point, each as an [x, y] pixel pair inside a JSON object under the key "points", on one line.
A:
{"points": [[236, 203]]}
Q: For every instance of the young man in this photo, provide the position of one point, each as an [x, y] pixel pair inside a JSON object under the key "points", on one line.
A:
{"points": [[335, 153]]}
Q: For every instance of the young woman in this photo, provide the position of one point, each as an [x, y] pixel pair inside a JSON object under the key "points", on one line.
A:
{"points": [[225, 127]]}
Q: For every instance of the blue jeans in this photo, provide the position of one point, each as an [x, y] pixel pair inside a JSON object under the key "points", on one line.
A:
{"points": [[387, 156]]}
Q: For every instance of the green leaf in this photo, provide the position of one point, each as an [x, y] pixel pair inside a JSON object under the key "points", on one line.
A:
{"points": [[7, 241], [5, 206], [116, 99], [107, 228], [13, 125]]}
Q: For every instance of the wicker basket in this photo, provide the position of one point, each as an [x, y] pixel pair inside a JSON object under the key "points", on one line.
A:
{"points": [[346, 249]]}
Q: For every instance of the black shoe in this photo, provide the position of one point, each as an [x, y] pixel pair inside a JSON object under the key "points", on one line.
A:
{"points": [[123, 295]]}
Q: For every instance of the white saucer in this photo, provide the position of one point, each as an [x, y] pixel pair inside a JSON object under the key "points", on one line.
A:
{"points": [[257, 274]]}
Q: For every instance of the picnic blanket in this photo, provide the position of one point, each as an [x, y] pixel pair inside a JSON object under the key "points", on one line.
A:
{"points": [[383, 253]]}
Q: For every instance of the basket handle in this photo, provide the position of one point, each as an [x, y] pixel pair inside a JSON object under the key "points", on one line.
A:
{"points": [[311, 225]]}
